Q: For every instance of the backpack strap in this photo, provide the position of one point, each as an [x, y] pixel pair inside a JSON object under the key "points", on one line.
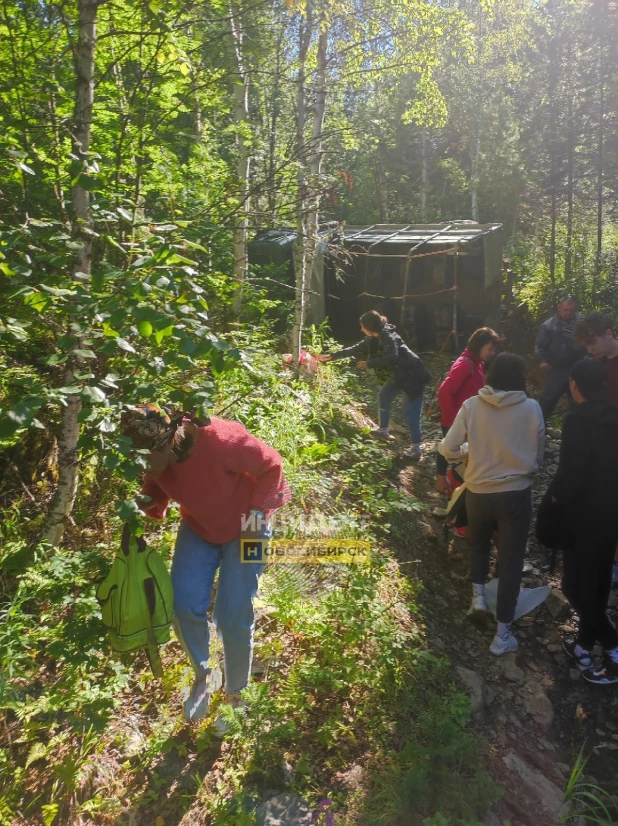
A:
{"points": [[152, 648]]}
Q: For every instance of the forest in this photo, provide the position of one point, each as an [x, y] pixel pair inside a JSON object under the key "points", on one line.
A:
{"points": [[143, 145]]}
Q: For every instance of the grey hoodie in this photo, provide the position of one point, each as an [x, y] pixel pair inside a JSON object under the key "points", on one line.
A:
{"points": [[506, 440]]}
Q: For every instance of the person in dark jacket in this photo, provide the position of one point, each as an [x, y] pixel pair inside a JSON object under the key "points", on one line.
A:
{"points": [[557, 351], [397, 368], [585, 491]]}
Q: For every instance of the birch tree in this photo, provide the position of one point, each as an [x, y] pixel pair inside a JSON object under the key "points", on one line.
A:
{"points": [[68, 459], [243, 154]]}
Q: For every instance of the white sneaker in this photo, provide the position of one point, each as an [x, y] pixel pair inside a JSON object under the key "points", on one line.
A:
{"points": [[196, 705], [221, 724], [478, 613], [503, 645]]}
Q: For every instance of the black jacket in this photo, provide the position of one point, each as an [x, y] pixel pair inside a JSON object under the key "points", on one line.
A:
{"points": [[586, 482], [556, 348], [391, 358]]}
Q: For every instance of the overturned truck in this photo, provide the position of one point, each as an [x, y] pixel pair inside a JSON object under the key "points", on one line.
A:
{"points": [[436, 282]]}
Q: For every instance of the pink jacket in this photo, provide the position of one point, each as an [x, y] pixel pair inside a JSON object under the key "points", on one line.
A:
{"points": [[465, 379]]}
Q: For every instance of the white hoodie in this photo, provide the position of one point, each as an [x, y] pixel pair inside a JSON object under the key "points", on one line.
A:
{"points": [[506, 440]]}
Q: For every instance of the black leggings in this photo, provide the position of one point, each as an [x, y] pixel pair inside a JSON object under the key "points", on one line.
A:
{"points": [[512, 510], [441, 463], [586, 583]]}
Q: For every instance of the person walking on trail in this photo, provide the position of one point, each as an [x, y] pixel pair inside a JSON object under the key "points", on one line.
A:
{"points": [[397, 367], [596, 332], [557, 351], [464, 379], [584, 493], [505, 435], [227, 483]]}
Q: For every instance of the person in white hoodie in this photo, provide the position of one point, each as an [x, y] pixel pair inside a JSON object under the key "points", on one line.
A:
{"points": [[505, 438]]}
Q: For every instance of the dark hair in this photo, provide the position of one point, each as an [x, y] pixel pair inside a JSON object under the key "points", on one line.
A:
{"points": [[507, 372], [373, 321], [590, 377], [593, 325], [567, 297], [182, 445], [480, 338]]}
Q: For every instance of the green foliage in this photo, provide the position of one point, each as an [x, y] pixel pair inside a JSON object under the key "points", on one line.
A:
{"points": [[588, 800]]}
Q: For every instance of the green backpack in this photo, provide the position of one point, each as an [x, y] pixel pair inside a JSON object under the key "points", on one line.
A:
{"points": [[137, 599]]}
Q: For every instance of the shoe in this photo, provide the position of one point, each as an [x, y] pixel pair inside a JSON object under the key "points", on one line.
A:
{"points": [[222, 723], [503, 645], [413, 453], [478, 613], [611, 670], [585, 664], [196, 705], [382, 434]]}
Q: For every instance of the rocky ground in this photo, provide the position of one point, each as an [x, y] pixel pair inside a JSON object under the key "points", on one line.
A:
{"points": [[532, 707]]}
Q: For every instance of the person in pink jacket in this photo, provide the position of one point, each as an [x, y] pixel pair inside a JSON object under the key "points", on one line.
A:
{"points": [[464, 379]]}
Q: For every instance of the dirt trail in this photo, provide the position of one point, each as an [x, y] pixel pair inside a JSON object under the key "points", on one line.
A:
{"points": [[532, 708]]}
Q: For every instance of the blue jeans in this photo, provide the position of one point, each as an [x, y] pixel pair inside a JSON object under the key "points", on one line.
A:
{"points": [[193, 574], [412, 409]]}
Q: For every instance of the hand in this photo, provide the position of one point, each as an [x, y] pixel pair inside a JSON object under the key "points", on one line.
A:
{"points": [[324, 357], [545, 366], [361, 364]]}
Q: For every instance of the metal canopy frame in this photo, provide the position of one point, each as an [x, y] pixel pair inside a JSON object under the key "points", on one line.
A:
{"points": [[416, 234]]}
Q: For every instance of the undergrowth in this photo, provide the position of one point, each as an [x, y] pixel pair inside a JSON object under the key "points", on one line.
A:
{"points": [[348, 680]]}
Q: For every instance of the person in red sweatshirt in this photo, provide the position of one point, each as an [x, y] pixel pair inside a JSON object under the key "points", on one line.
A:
{"points": [[464, 379], [227, 482]]}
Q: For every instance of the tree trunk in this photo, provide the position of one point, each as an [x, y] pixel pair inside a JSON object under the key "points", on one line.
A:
{"points": [[553, 142], [568, 254], [474, 201], [243, 162], [600, 158], [300, 253], [476, 151], [423, 177], [316, 155], [68, 458], [273, 135], [379, 176]]}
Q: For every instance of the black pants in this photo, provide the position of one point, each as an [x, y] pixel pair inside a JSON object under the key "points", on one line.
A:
{"points": [[586, 583], [441, 463], [556, 386], [512, 511]]}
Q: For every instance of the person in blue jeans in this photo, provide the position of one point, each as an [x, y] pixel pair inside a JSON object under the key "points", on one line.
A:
{"points": [[398, 369], [228, 483], [194, 567]]}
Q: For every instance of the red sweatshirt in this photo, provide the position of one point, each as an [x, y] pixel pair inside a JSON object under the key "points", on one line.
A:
{"points": [[465, 379], [228, 473]]}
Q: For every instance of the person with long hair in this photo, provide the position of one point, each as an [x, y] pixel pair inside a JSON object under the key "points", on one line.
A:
{"points": [[505, 437], [399, 370], [464, 379]]}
